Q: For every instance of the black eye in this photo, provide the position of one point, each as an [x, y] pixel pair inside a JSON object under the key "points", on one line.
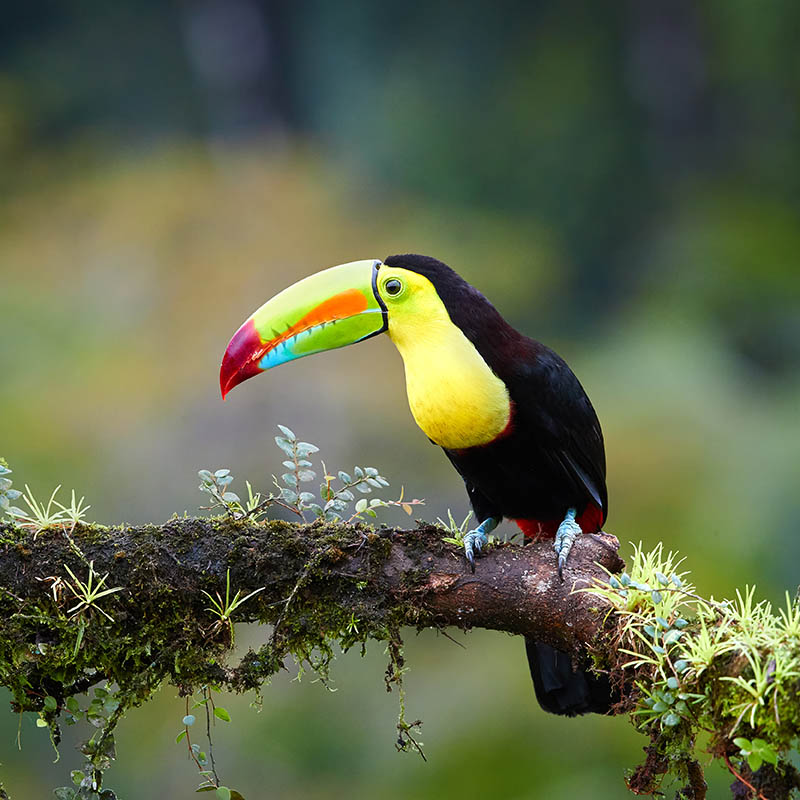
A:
{"points": [[393, 286]]}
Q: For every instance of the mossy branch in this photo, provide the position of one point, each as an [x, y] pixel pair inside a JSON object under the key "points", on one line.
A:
{"points": [[311, 581], [136, 606]]}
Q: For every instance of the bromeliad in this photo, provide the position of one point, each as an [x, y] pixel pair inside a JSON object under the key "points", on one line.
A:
{"points": [[508, 412]]}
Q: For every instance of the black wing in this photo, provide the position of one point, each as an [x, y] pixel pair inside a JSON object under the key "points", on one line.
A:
{"points": [[554, 414]]}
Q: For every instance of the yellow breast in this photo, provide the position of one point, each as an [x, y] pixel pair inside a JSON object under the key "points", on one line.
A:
{"points": [[454, 396]]}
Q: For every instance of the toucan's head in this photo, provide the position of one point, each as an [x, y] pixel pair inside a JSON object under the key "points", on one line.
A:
{"points": [[342, 305]]}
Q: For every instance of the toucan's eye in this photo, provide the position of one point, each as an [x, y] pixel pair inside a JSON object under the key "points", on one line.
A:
{"points": [[393, 287]]}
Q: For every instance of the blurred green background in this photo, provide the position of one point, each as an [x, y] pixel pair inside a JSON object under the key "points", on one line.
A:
{"points": [[622, 181]]}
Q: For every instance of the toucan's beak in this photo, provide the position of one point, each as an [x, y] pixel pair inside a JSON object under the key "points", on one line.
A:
{"points": [[334, 308]]}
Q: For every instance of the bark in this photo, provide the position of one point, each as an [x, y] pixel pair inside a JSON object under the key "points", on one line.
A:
{"points": [[411, 575]]}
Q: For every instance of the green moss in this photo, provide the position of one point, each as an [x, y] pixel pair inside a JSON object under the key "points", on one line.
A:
{"points": [[47, 651]]}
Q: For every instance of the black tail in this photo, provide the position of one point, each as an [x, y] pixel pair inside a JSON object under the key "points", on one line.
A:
{"points": [[560, 689]]}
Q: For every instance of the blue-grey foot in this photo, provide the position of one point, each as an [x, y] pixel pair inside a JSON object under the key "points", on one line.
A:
{"points": [[568, 531], [477, 539]]}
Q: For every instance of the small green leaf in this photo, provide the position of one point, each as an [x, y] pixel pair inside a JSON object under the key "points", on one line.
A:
{"points": [[73, 706], [180, 737], [41, 723], [222, 713], [306, 475], [288, 496], [681, 665], [344, 477], [188, 720], [306, 449], [662, 578], [289, 478], [671, 719], [231, 497], [754, 761], [672, 682], [285, 445], [287, 432], [662, 622], [223, 793], [361, 505], [50, 703], [765, 751], [659, 706], [222, 473], [657, 596]]}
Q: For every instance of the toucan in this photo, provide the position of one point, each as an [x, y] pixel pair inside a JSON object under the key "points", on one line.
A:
{"points": [[506, 410]]}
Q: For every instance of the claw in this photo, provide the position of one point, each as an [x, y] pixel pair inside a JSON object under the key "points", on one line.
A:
{"points": [[476, 539], [473, 543], [568, 531]]}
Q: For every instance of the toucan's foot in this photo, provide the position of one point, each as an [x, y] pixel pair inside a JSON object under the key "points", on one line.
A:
{"points": [[568, 531], [478, 538], [474, 542]]}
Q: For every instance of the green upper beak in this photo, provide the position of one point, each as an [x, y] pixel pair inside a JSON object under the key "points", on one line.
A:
{"points": [[333, 308]]}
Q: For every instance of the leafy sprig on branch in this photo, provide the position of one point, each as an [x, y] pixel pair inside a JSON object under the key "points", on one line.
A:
{"points": [[336, 501]]}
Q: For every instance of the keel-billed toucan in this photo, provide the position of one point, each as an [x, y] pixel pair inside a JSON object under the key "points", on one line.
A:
{"points": [[508, 412]]}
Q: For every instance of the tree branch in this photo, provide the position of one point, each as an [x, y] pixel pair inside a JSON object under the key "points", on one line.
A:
{"points": [[139, 605], [411, 576]]}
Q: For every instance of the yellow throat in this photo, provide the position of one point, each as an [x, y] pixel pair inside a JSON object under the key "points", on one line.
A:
{"points": [[454, 396]]}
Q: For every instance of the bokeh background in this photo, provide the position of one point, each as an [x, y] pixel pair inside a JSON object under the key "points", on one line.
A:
{"points": [[621, 179]]}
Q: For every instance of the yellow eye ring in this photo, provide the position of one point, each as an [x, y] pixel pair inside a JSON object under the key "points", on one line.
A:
{"points": [[393, 287]]}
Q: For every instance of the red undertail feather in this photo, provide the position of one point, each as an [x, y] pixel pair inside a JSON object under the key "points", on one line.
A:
{"points": [[590, 521]]}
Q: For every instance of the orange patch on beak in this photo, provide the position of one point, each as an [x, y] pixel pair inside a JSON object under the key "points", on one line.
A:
{"points": [[340, 306]]}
